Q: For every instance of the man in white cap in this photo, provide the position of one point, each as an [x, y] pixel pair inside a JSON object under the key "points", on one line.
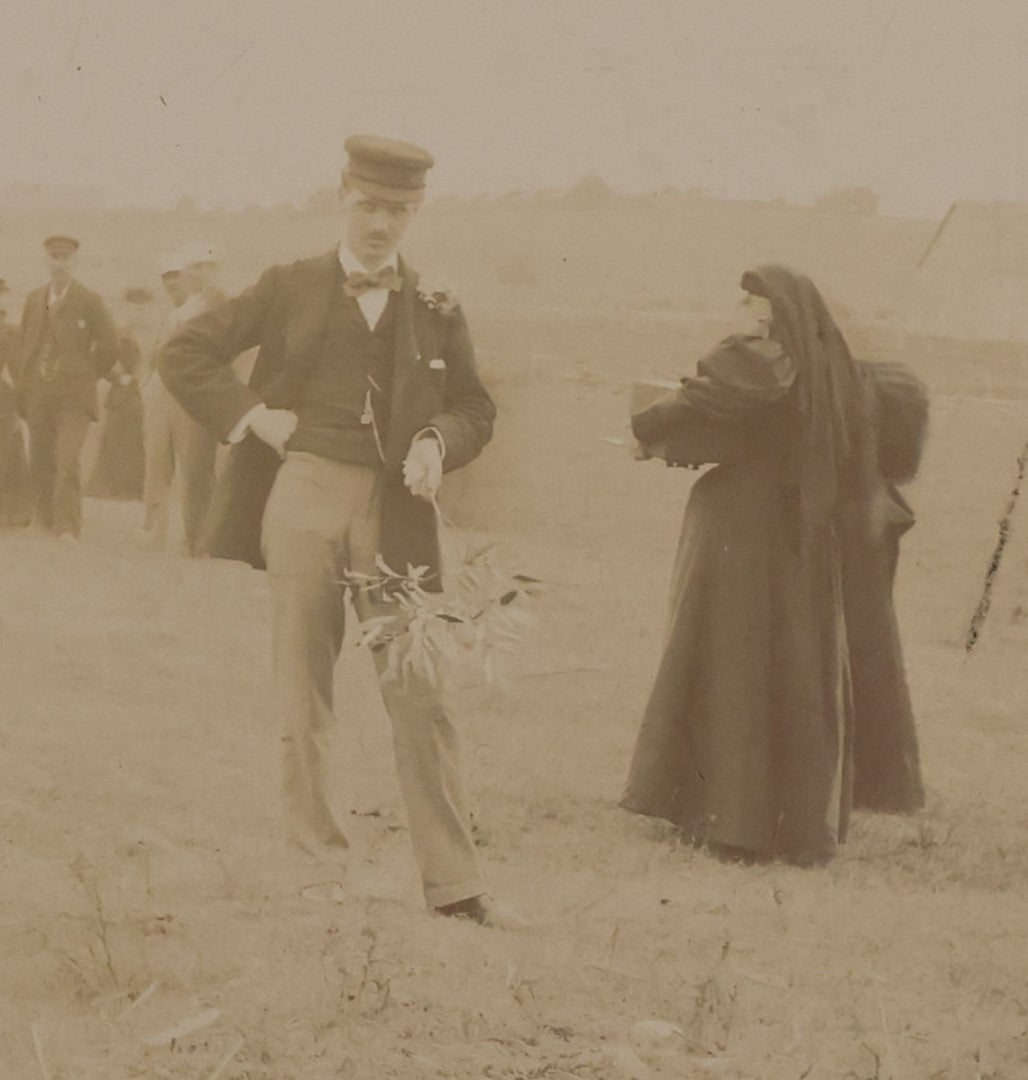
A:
{"points": [[201, 263], [174, 442], [363, 392]]}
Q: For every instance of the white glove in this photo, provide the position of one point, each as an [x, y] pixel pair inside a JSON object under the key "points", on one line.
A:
{"points": [[273, 426], [423, 467]]}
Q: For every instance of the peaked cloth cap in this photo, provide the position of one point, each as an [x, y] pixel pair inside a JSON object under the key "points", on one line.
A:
{"points": [[60, 245], [386, 168], [192, 254]]}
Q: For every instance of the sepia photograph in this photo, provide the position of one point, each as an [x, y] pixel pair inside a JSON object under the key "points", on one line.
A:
{"points": [[513, 540]]}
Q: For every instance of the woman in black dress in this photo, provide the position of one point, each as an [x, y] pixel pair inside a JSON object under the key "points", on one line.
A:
{"points": [[748, 738], [118, 473]]}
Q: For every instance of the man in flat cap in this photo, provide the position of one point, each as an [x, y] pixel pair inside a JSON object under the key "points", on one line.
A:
{"points": [[363, 393], [68, 343], [175, 442]]}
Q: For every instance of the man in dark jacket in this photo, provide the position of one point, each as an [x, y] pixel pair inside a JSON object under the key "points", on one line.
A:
{"points": [[68, 342], [363, 392]]}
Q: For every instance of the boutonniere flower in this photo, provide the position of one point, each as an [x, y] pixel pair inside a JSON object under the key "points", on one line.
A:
{"points": [[437, 296]]}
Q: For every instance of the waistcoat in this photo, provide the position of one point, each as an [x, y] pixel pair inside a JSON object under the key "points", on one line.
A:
{"points": [[343, 411]]}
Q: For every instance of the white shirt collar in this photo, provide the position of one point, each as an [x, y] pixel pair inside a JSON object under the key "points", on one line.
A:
{"points": [[352, 265], [56, 297]]}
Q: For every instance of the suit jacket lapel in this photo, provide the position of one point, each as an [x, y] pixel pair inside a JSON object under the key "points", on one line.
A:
{"points": [[36, 322], [305, 329], [70, 306], [405, 354], [74, 294]]}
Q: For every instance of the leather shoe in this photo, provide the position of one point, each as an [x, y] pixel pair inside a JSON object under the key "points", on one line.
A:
{"points": [[484, 911]]}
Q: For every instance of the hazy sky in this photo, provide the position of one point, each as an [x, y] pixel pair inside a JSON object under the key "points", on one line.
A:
{"points": [[240, 101]]}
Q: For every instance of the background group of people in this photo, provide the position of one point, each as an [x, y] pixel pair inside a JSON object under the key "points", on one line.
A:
{"points": [[68, 362]]}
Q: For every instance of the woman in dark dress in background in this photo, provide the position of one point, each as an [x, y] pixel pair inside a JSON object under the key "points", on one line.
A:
{"points": [[748, 738], [887, 765], [118, 473]]}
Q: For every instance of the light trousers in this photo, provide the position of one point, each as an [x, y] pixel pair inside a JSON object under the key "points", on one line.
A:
{"points": [[322, 519], [57, 433], [173, 442]]}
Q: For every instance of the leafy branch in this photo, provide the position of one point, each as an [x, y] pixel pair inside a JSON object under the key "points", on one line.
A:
{"points": [[482, 614]]}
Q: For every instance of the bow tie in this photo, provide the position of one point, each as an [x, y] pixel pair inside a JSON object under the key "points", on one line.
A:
{"points": [[386, 278]]}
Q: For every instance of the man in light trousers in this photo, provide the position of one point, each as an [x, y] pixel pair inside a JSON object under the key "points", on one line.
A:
{"points": [[176, 447], [363, 393]]}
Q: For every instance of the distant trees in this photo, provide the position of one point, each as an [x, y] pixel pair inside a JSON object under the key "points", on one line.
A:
{"points": [[593, 192], [31, 196], [589, 192]]}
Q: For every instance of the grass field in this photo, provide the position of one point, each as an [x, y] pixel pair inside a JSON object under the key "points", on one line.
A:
{"points": [[151, 923]]}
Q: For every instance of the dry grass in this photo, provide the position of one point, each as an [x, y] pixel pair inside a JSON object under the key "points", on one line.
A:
{"points": [[151, 924]]}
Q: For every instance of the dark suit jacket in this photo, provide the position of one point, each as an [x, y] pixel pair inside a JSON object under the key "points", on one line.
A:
{"points": [[285, 315], [86, 342]]}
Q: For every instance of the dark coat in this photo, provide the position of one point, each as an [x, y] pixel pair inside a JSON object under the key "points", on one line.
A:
{"points": [[9, 349], [887, 764], [285, 315], [118, 472], [781, 699], [15, 495], [86, 342], [746, 741]]}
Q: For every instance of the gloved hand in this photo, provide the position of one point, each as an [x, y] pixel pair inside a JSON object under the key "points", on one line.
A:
{"points": [[273, 426], [423, 466]]}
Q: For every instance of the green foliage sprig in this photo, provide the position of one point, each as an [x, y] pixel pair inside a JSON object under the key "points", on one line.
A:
{"points": [[481, 615]]}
